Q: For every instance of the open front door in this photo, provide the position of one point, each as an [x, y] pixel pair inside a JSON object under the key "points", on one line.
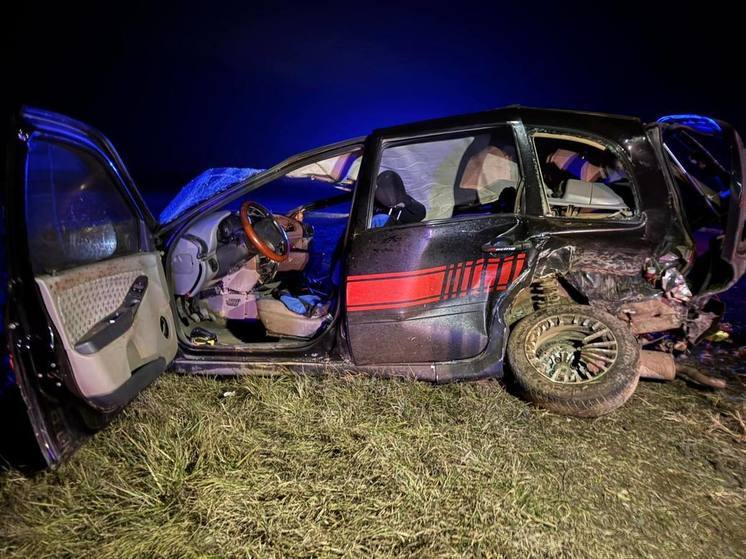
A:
{"points": [[88, 320]]}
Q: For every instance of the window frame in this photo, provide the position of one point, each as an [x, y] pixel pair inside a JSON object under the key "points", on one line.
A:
{"points": [[519, 208], [589, 139], [144, 243]]}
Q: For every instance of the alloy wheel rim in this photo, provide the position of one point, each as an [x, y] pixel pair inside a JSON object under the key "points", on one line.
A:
{"points": [[571, 348]]}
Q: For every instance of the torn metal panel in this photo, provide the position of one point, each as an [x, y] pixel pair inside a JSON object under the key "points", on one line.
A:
{"points": [[604, 256], [704, 321], [608, 289], [555, 260]]}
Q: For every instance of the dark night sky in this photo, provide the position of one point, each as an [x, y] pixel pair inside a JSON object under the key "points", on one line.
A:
{"points": [[181, 88]]}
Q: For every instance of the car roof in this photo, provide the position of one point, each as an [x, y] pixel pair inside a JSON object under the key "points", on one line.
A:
{"points": [[605, 124], [614, 127]]}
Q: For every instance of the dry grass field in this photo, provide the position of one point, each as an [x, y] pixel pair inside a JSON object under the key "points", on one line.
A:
{"points": [[301, 466]]}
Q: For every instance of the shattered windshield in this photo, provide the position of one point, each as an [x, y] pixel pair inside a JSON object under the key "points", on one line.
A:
{"points": [[204, 186]]}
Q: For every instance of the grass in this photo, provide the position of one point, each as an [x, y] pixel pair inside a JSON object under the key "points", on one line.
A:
{"points": [[302, 466]]}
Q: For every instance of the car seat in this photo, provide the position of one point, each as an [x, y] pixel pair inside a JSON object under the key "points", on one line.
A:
{"points": [[293, 316], [395, 206]]}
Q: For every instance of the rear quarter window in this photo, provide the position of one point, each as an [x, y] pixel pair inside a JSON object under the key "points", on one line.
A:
{"points": [[583, 178]]}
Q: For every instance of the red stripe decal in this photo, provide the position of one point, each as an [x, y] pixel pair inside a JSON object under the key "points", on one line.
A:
{"points": [[465, 278], [397, 290], [385, 275], [505, 272], [458, 274], [390, 290], [490, 275], [476, 277], [518, 267]]}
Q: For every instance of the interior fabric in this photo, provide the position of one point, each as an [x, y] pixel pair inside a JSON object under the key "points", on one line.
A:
{"points": [[458, 175], [488, 173], [343, 167], [280, 320], [82, 304], [303, 304]]}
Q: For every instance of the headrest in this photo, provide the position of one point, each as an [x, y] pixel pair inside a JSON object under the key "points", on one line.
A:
{"points": [[390, 189]]}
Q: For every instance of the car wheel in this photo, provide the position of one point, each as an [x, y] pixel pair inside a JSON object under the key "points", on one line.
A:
{"points": [[574, 360]]}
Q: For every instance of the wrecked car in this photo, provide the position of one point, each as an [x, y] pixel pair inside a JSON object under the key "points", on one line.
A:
{"points": [[575, 251]]}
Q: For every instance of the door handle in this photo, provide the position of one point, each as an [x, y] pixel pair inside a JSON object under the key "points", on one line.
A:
{"points": [[500, 246]]}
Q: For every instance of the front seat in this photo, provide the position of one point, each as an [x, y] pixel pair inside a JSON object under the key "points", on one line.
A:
{"points": [[302, 316], [394, 205], [293, 316]]}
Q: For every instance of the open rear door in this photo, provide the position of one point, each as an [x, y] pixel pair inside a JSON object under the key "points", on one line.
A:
{"points": [[88, 320]]}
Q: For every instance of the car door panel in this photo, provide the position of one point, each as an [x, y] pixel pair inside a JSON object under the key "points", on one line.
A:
{"points": [[734, 246], [79, 298], [428, 290]]}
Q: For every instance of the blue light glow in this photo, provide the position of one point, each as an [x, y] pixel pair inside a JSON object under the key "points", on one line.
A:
{"points": [[703, 124], [205, 185]]}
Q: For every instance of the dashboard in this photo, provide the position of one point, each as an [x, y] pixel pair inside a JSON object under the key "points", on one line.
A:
{"points": [[210, 249], [216, 245]]}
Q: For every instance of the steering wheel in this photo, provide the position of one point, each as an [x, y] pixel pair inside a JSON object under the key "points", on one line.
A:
{"points": [[264, 231]]}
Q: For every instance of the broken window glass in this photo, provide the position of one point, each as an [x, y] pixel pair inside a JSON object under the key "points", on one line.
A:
{"points": [[583, 178]]}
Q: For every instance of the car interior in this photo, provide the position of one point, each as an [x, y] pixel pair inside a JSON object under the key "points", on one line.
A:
{"points": [[583, 178], [265, 269]]}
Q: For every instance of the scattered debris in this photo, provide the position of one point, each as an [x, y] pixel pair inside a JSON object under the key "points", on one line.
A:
{"points": [[674, 285], [719, 336], [652, 315], [201, 336]]}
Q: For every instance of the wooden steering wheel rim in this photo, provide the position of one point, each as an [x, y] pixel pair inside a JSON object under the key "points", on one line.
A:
{"points": [[255, 239]]}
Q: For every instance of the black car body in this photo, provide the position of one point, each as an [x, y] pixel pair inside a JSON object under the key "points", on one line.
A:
{"points": [[446, 236]]}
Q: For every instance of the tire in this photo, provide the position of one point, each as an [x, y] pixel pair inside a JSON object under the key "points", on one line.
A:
{"points": [[538, 350]]}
